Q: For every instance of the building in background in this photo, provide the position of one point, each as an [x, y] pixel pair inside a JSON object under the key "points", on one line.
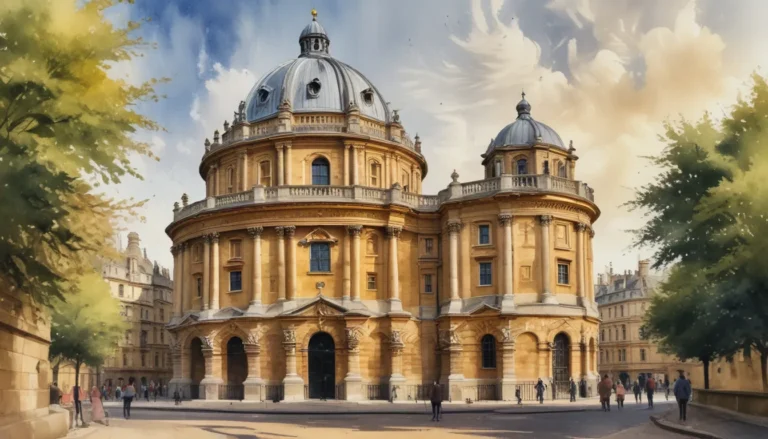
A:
{"points": [[316, 268], [145, 292]]}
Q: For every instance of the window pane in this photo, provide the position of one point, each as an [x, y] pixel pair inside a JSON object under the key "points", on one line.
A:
{"points": [[321, 172], [371, 282], [320, 257], [485, 273], [522, 166], [427, 283], [489, 351], [485, 234], [235, 281], [562, 274]]}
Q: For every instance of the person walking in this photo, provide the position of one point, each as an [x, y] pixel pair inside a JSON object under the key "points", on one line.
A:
{"points": [[540, 391], [682, 393], [637, 392], [97, 408], [572, 389], [177, 396], [620, 392], [517, 395], [650, 389], [604, 389], [436, 398], [128, 395]]}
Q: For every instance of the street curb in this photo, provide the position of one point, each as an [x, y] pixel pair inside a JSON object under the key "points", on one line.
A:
{"points": [[665, 425], [352, 413]]}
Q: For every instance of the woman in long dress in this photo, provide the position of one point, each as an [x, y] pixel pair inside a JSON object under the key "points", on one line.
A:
{"points": [[97, 409]]}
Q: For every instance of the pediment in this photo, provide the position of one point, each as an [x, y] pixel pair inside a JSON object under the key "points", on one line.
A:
{"points": [[228, 312], [188, 320], [484, 309], [320, 308], [319, 235]]}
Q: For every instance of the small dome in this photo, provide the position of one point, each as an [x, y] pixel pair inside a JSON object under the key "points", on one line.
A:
{"points": [[525, 131], [313, 39]]}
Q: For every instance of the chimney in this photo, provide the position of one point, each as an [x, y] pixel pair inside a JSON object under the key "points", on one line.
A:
{"points": [[644, 267]]}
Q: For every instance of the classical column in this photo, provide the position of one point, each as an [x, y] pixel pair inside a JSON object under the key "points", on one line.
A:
{"points": [[253, 384], [178, 382], [544, 351], [454, 231], [292, 383], [256, 288], [581, 261], [395, 304], [244, 158], [184, 290], [396, 379], [280, 165], [291, 261], [209, 386], [176, 252], [546, 274], [355, 163], [206, 271], [347, 149], [508, 379], [508, 298], [346, 275], [215, 272], [387, 172], [590, 284], [288, 179], [354, 232], [449, 339], [353, 380], [280, 263]]}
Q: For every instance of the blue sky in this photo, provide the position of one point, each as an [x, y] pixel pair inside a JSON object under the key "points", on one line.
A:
{"points": [[603, 73]]}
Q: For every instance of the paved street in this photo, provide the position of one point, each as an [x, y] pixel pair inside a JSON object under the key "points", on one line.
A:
{"points": [[191, 425]]}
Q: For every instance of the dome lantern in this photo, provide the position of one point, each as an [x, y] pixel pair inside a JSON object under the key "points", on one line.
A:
{"points": [[313, 39]]}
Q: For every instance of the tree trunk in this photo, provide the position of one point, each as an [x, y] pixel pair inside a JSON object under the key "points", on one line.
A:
{"points": [[706, 372], [55, 371], [763, 371], [77, 376]]}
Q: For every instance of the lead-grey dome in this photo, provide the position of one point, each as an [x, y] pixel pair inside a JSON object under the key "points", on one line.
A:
{"points": [[525, 131], [315, 82]]}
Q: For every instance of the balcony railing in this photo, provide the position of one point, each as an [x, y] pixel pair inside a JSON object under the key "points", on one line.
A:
{"points": [[369, 195]]}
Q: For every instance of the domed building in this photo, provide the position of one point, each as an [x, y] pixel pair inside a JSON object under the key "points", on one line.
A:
{"points": [[316, 268]]}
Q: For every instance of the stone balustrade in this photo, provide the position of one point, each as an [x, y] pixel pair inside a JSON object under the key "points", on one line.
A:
{"points": [[369, 195]]}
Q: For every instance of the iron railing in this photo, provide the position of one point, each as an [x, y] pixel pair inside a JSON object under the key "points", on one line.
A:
{"points": [[561, 390], [528, 390], [378, 391], [232, 392], [423, 392], [194, 391], [274, 392], [487, 392]]}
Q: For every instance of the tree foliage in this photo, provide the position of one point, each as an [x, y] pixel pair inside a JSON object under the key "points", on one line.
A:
{"points": [[708, 215], [66, 127]]}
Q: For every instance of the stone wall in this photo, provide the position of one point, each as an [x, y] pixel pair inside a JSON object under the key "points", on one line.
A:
{"points": [[749, 403], [24, 387]]}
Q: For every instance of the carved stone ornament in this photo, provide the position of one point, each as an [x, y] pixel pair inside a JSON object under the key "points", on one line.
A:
{"points": [[214, 237], [280, 231], [207, 342], [454, 336], [353, 338], [394, 231], [505, 219], [289, 231], [354, 230], [255, 231], [545, 220], [506, 334], [443, 339], [318, 235], [580, 227], [253, 338], [289, 336], [453, 226], [395, 338]]}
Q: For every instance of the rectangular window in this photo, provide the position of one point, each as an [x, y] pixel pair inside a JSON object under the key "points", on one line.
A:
{"points": [[235, 249], [371, 281], [143, 360], [642, 355], [235, 281], [485, 273], [266, 173], [563, 273], [429, 245], [162, 315], [320, 257], [484, 234], [428, 283], [199, 286]]}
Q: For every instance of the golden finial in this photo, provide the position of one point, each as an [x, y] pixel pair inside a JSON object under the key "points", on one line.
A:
{"points": [[314, 14]]}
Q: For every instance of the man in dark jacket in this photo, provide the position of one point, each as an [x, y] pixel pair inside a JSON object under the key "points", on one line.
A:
{"points": [[682, 394], [540, 391], [436, 397], [572, 389]]}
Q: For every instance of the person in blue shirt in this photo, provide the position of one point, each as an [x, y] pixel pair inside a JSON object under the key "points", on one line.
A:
{"points": [[682, 393]]}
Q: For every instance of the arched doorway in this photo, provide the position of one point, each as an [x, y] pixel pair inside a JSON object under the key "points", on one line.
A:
{"points": [[561, 370], [196, 368], [237, 370], [322, 366]]}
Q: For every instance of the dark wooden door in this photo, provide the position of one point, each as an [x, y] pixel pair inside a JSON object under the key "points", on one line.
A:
{"points": [[322, 366]]}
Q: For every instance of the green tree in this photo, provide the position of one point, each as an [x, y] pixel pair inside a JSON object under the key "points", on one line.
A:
{"points": [[87, 326], [66, 127]]}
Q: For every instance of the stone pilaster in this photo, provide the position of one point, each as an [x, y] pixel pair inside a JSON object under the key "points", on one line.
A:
{"points": [[244, 172], [354, 232], [449, 340], [353, 380], [256, 287], [546, 263], [355, 165], [253, 384], [209, 386], [396, 379], [280, 263], [176, 252], [508, 369], [215, 273], [346, 275], [395, 304], [290, 262], [206, 271], [288, 179], [280, 165], [347, 149], [292, 383], [581, 262], [508, 295], [454, 232]]}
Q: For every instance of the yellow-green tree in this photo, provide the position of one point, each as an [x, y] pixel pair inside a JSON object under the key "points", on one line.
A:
{"points": [[66, 126]]}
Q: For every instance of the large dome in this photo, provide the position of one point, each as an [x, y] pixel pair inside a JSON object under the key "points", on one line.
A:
{"points": [[315, 82], [525, 131]]}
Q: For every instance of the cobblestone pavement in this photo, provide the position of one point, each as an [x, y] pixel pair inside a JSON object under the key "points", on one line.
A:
{"points": [[633, 422]]}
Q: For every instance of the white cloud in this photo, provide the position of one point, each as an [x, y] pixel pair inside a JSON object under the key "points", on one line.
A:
{"points": [[202, 61]]}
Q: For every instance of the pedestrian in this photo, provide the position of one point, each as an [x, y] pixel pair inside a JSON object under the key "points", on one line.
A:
{"points": [[55, 396], [517, 395], [128, 395], [604, 390], [176, 396], [78, 405], [620, 392], [540, 391], [650, 388], [436, 398], [682, 395], [572, 389], [583, 388], [666, 389], [97, 408], [636, 391], [118, 393]]}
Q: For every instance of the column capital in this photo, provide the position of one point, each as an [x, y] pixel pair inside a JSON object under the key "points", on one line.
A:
{"points": [[353, 339], [289, 336], [183, 246], [591, 232], [354, 230], [255, 231], [289, 231], [454, 226], [545, 220], [175, 249], [214, 237], [580, 227], [280, 231], [279, 146], [396, 340], [393, 232], [505, 219], [206, 238]]}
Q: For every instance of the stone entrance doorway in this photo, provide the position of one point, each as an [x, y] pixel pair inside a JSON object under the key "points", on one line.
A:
{"points": [[561, 372], [322, 366]]}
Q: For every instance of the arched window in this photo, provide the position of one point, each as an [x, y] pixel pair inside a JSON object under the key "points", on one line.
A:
{"points": [[522, 167], [642, 354], [230, 179], [265, 169], [121, 290], [375, 174], [405, 182], [497, 168], [488, 345], [321, 172], [546, 167], [561, 170]]}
